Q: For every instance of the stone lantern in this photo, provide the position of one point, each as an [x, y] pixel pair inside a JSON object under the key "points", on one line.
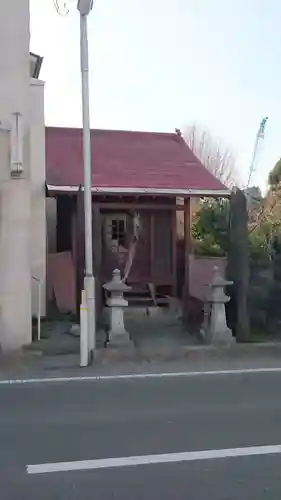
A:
{"points": [[116, 287], [218, 331]]}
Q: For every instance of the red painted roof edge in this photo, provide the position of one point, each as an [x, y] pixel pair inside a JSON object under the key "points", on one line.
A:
{"points": [[115, 131]]}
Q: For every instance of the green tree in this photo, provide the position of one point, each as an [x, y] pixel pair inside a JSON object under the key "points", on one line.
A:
{"points": [[274, 177], [210, 227]]}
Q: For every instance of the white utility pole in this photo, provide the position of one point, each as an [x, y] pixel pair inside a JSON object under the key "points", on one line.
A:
{"points": [[85, 7]]}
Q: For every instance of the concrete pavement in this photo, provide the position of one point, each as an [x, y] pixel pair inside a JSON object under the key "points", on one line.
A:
{"points": [[77, 421], [26, 365]]}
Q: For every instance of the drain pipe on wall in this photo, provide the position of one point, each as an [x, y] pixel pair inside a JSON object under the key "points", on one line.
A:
{"points": [[39, 300]]}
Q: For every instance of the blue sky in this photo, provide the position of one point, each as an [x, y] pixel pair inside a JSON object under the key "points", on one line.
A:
{"points": [[164, 64]]}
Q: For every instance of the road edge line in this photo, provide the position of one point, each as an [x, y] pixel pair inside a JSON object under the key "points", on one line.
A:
{"points": [[140, 376], [189, 456]]}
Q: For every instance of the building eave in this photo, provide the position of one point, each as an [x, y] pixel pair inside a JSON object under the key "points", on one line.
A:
{"points": [[224, 193]]}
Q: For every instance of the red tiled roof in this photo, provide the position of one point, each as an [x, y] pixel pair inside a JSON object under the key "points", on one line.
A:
{"points": [[123, 159]]}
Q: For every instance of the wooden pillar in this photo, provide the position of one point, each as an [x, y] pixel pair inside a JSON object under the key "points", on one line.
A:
{"points": [[97, 256], [174, 252], [80, 247], [74, 250], [152, 244], [64, 213], [187, 252]]}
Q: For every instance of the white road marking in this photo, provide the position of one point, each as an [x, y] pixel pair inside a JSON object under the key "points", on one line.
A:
{"points": [[106, 463], [131, 376]]}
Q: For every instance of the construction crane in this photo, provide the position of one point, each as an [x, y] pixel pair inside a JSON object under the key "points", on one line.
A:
{"points": [[259, 136]]}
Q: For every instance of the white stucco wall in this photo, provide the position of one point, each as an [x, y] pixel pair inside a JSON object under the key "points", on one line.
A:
{"points": [[15, 206], [38, 199]]}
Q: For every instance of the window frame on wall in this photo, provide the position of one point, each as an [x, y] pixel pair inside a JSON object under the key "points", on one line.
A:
{"points": [[115, 229]]}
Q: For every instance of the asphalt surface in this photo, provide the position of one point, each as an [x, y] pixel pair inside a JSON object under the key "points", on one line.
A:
{"points": [[44, 423]]}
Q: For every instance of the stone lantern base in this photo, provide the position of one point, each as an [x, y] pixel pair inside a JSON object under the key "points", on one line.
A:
{"points": [[117, 335], [217, 331]]}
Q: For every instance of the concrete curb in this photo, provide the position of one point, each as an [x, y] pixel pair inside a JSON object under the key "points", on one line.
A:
{"points": [[190, 353], [22, 363]]}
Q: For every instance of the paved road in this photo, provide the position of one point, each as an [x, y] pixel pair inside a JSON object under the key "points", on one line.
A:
{"points": [[50, 423]]}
